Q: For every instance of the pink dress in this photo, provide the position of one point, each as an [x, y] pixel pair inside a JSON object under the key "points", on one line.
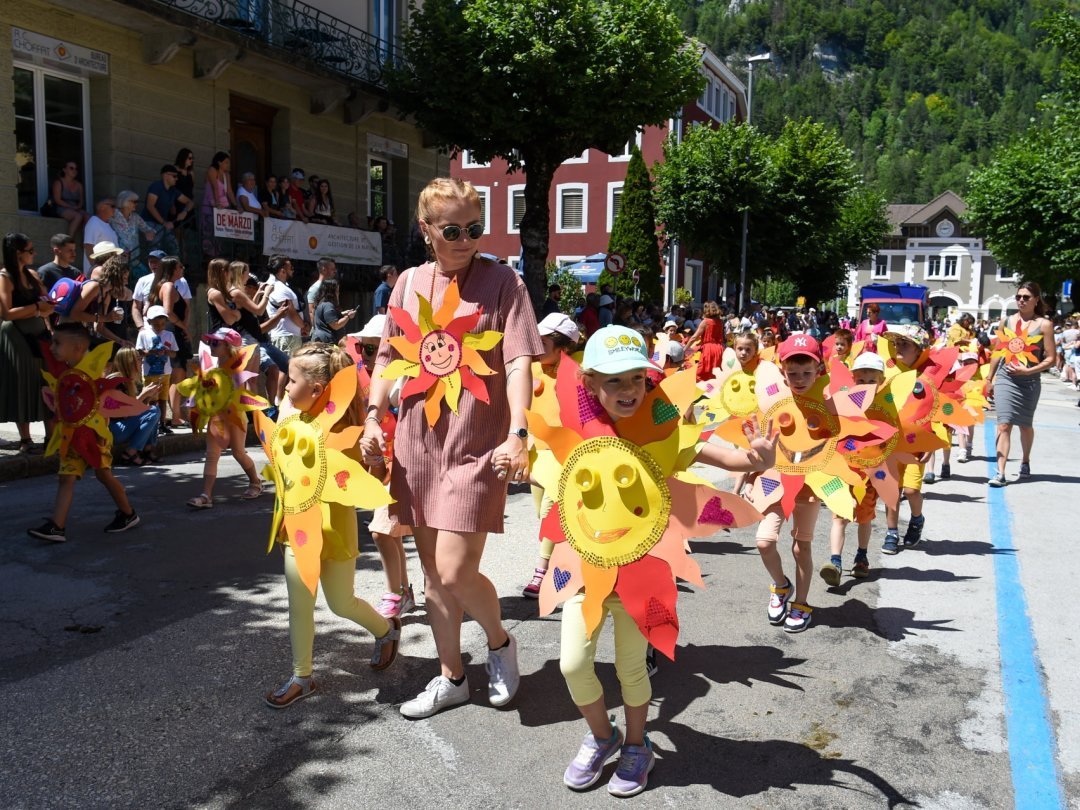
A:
{"points": [[865, 329], [442, 477]]}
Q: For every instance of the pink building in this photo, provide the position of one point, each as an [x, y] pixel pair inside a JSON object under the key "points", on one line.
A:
{"points": [[586, 190]]}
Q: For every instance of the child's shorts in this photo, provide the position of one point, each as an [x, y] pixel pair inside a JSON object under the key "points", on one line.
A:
{"points": [[911, 476], [73, 464], [163, 381], [382, 522], [867, 507]]}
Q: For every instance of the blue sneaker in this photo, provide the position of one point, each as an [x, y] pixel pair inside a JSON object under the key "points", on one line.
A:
{"points": [[587, 766], [892, 542], [632, 773], [913, 535]]}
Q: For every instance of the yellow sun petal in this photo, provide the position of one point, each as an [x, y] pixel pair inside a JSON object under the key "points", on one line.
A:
{"points": [[470, 359], [350, 484], [452, 384], [401, 368], [482, 342], [305, 536], [407, 349]]}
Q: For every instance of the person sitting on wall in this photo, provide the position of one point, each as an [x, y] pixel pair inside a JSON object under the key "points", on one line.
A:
{"points": [[247, 197], [165, 207], [272, 199]]}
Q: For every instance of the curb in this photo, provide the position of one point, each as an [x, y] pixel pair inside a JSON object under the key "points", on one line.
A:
{"points": [[16, 466]]}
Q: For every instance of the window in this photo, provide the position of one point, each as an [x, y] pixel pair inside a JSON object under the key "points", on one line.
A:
{"points": [[52, 126], [881, 266], [614, 198], [515, 207], [485, 207], [933, 267], [562, 261], [582, 158], [572, 203], [384, 24], [625, 154], [1005, 274], [378, 188], [950, 266], [467, 161]]}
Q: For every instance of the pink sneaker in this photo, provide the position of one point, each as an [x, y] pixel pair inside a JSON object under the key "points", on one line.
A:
{"points": [[532, 590], [389, 606]]}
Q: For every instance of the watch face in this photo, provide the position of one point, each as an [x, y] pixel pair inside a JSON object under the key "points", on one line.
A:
{"points": [[945, 228]]}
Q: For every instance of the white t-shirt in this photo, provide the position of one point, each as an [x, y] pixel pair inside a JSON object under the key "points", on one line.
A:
{"points": [[147, 340], [281, 293], [143, 285], [96, 230], [250, 196]]}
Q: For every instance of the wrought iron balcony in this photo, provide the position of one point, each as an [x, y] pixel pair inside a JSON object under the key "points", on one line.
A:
{"points": [[300, 30]]}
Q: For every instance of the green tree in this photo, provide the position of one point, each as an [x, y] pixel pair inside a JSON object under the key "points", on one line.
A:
{"points": [[634, 235], [537, 82], [572, 294]]}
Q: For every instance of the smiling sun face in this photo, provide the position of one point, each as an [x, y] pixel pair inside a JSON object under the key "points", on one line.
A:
{"points": [[440, 353], [620, 501]]}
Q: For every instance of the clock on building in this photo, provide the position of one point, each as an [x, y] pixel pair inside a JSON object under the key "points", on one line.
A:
{"points": [[945, 228]]}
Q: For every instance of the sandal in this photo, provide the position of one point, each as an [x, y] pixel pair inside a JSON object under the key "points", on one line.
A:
{"points": [[30, 447], [251, 493], [380, 660], [289, 692], [133, 458], [201, 501]]}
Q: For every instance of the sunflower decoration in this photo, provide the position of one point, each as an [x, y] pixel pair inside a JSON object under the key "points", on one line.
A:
{"points": [[731, 398], [1016, 345], [817, 431], [218, 391], [83, 403], [309, 471], [625, 503], [439, 354]]}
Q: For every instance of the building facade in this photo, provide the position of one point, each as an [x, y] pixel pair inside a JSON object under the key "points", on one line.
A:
{"points": [[586, 191], [119, 86], [932, 245]]}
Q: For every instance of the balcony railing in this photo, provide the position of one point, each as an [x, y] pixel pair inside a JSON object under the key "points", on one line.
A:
{"points": [[300, 30]]}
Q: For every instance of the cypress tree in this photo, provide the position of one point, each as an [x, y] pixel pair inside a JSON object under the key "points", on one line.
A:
{"points": [[633, 234]]}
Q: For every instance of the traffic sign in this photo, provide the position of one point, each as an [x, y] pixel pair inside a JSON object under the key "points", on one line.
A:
{"points": [[615, 263], [637, 276]]}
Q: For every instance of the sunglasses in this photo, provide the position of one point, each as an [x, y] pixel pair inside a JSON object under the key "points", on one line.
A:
{"points": [[369, 350], [213, 344], [1024, 297], [451, 233]]}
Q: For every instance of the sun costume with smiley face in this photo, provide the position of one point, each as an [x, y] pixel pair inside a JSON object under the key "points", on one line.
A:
{"points": [[730, 397], [314, 478], [439, 354], [1017, 345], [625, 503], [83, 402], [221, 400]]}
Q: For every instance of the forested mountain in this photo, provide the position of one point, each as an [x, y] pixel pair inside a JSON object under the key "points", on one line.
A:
{"points": [[920, 90]]}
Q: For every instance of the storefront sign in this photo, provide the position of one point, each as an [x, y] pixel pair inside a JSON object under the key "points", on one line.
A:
{"points": [[378, 145], [299, 241], [229, 224], [51, 52]]}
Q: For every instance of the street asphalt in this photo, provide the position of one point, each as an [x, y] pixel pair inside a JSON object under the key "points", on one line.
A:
{"points": [[135, 664]]}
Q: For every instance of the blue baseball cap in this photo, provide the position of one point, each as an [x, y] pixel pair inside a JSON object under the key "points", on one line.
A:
{"points": [[615, 349]]}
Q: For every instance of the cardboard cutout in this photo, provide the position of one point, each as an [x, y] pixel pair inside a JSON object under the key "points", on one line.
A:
{"points": [[731, 398], [623, 503], [1016, 345], [220, 397], [439, 355]]}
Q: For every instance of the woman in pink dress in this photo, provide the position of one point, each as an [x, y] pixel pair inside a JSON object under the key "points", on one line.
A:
{"points": [[449, 479], [873, 325], [710, 334], [217, 193]]}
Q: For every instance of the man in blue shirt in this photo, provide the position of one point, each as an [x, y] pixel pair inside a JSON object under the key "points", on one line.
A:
{"points": [[165, 207], [388, 276]]}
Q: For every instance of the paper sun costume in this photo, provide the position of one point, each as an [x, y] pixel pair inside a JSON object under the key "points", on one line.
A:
{"points": [[625, 503], [312, 475], [84, 402], [220, 397], [1016, 345], [731, 398], [439, 355]]}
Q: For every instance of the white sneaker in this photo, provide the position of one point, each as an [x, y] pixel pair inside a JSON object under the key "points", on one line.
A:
{"points": [[503, 674], [439, 694]]}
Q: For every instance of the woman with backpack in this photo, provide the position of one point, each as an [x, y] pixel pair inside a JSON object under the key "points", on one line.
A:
{"points": [[23, 309], [97, 304]]}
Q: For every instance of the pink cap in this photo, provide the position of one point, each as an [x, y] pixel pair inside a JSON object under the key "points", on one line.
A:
{"points": [[225, 335], [797, 345]]}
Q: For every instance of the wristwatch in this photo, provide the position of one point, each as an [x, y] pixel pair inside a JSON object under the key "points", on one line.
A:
{"points": [[521, 433]]}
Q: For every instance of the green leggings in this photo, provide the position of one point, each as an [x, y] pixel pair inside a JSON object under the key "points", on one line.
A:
{"points": [[337, 585]]}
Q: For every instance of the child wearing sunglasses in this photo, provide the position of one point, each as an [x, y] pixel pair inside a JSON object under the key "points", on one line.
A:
{"points": [[224, 344]]}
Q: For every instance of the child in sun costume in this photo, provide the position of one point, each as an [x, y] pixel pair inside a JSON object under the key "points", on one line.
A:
{"points": [[221, 405], [317, 490], [83, 401], [616, 467]]}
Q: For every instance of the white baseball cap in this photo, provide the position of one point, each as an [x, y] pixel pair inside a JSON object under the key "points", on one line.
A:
{"points": [[373, 328], [558, 322], [615, 349], [869, 360], [156, 311], [606, 301]]}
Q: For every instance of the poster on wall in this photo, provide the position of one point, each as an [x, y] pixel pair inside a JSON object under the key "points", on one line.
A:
{"points": [[229, 224], [57, 53], [298, 240]]}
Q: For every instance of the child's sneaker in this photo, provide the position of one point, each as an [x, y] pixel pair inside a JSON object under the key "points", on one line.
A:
{"points": [[408, 601], [778, 602], [892, 542], [532, 590], [389, 606], [585, 769], [122, 522], [632, 773], [798, 618], [48, 531], [1025, 470], [946, 472], [861, 568], [965, 456], [913, 535], [831, 574], [929, 478], [651, 667], [997, 481]]}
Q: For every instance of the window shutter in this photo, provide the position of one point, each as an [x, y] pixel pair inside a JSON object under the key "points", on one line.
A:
{"points": [[519, 207], [616, 204], [573, 201], [483, 209]]}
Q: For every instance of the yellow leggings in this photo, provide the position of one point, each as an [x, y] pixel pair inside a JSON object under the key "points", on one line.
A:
{"points": [[578, 653], [543, 505], [337, 585]]}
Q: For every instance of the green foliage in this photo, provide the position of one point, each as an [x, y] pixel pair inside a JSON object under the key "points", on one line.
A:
{"points": [[809, 213], [776, 292], [683, 296], [633, 234], [539, 81], [921, 91], [573, 296]]}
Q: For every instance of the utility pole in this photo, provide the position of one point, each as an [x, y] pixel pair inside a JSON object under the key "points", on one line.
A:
{"points": [[744, 295]]}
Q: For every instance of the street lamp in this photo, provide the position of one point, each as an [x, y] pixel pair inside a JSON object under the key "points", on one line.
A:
{"points": [[743, 296]]}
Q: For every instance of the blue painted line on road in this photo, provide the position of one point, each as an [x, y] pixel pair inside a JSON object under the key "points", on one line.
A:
{"points": [[1031, 741]]}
